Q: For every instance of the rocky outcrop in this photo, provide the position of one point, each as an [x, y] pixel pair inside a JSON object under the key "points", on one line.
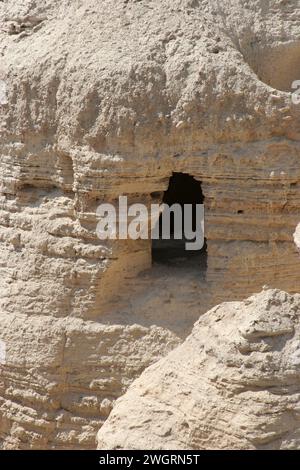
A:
{"points": [[233, 384], [60, 377], [111, 100], [99, 99]]}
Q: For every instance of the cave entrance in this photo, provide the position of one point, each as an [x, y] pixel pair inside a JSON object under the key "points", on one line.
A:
{"points": [[183, 189]]}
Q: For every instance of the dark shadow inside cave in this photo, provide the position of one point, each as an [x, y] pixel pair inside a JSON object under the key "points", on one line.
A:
{"points": [[183, 189]]}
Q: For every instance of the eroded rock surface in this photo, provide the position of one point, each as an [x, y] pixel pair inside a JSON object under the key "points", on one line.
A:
{"points": [[110, 98], [99, 99], [60, 377], [233, 384]]}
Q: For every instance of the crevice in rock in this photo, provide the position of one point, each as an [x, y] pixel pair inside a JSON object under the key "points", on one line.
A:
{"points": [[24, 26], [65, 171]]}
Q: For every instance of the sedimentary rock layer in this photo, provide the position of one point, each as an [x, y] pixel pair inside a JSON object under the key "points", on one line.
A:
{"points": [[233, 384], [99, 99], [60, 377]]}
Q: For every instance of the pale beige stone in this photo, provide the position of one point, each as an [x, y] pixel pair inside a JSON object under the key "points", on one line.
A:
{"points": [[102, 98], [60, 377], [233, 384]]}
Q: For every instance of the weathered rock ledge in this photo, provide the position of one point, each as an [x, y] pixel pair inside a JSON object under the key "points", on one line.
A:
{"points": [[233, 384], [110, 97]]}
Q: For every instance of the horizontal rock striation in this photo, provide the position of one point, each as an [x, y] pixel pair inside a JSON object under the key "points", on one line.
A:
{"points": [[233, 384], [60, 377], [99, 99]]}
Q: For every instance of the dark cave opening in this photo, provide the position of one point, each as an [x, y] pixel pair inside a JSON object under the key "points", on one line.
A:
{"points": [[183, 189]]}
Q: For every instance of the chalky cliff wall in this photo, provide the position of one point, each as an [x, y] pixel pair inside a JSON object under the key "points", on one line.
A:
{"points": [[106, 98]]}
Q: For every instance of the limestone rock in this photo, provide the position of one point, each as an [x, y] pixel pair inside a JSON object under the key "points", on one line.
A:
{"points": [[113, 97], [60, 377], [110, 97], [233, 384]]}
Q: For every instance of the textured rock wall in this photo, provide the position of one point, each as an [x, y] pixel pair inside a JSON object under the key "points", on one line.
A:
{"points": [[233, 384], [108, 98], [60, 377]]}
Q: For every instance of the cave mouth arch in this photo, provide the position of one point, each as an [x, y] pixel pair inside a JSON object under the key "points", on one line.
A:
{"points": [[183, 189]]}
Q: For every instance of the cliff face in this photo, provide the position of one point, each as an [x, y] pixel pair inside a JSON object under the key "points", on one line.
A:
{"points": [[60, 377], [233, 384], [105, 98]]}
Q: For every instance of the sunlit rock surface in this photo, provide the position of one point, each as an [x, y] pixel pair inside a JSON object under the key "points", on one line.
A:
{"points": [[99, 99]]}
